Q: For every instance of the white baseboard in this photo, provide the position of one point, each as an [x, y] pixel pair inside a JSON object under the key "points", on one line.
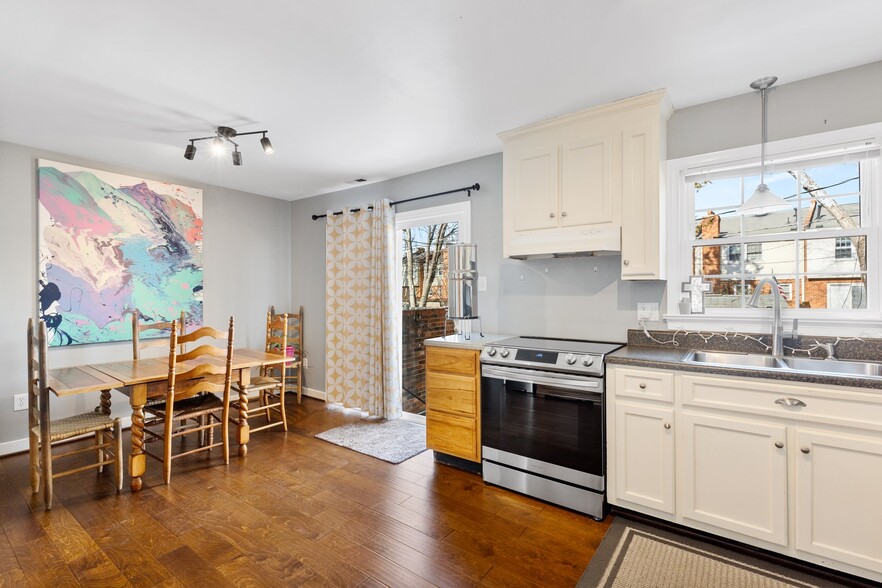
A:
{"points": [[313, 393], [21, 445]]}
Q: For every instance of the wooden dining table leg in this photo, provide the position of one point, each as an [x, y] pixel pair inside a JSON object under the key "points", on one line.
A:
{"points": [[242, 429], [105, 402], [137, 458]]}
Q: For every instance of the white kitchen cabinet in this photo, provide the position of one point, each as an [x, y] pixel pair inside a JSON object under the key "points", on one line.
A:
{"points": [[589, 182], [838, 481], [644, 472], [790, 467], [733, 475]]}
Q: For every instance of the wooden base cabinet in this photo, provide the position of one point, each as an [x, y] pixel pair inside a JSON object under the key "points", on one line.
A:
{"points": [[453, 402], [789, 467]]}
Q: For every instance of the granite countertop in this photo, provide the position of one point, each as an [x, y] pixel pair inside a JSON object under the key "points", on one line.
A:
{"points": [[476, 341], [671, 358]]}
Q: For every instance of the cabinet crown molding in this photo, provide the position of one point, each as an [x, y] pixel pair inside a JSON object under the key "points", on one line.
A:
{"points": [[659, 98]]}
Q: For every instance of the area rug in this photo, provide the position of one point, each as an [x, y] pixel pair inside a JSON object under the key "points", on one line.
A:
{"points": [[633, 555], [392, 441]]}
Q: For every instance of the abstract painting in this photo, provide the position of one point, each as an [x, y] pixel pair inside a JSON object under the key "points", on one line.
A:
{"points": [[110, 245]]}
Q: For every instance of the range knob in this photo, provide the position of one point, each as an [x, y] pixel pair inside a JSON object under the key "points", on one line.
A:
{"points": [[491, 351], [570, 359], [587, 360], [505, 352]]}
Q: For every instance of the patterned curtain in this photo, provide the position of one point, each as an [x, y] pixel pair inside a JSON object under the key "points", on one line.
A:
{"points": [[363, 325]]}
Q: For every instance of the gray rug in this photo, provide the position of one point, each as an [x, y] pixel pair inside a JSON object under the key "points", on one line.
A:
{"points": [[633, 555], [392, 441]]}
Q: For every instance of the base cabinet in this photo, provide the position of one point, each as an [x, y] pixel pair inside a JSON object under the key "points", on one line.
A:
{"points": [[453, 402], [801, 479]]}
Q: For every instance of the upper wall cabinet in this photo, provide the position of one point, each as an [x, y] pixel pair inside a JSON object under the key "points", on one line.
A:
{"points": [[589, 182]]}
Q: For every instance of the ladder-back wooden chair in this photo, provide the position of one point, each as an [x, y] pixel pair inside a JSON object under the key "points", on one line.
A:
{"points": [[294, 370], [267, 389], [139, 327], [194, 380], [45, 434]]}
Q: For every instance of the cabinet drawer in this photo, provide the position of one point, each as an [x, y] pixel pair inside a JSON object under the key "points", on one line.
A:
{"points": [[455, 361], [450, 392], [644, 384], [843, 406], [454, 435]]}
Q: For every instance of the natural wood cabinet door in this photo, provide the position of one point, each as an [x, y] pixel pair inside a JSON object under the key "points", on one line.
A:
{"points": [[644, 456], [454, 361], [838, 505], [733, 474], [451, 393], [453, 435]]}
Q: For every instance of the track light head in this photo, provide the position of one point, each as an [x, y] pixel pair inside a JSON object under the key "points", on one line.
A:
{"points": [[265, 143], [237, 157], [190, 151]]}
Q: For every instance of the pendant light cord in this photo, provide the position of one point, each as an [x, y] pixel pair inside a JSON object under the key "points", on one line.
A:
{"points": [[763, 144]]}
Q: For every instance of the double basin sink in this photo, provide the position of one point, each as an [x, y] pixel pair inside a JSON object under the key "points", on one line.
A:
{"points": [[826, 367]]}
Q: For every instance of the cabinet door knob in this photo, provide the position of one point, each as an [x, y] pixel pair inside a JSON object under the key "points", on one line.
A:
{"points": [[779, 444], [564, 213], [625, 262], [790, 402], [668, 426], [551, 215], [643, 386], [805, 450]]}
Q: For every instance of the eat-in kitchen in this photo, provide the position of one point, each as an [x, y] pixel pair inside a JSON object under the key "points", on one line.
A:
{"points": [[441, 295]]}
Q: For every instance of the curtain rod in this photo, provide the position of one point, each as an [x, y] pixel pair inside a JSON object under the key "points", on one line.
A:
{"points": [[476, 186]]}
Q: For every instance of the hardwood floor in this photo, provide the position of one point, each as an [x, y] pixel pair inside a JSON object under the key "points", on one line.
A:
{"points": [[296, 511]]}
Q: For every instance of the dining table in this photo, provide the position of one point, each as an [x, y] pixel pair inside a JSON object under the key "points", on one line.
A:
{"points": [[146, 378]]}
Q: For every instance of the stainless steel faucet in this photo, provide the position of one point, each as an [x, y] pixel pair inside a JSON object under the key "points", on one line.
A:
{"points": [[777, 326], [829, 348]]}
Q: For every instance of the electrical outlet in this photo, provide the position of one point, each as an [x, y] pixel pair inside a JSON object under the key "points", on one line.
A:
{"points": [[305, 362], [482, 283], [20, 402], [647, 311]]}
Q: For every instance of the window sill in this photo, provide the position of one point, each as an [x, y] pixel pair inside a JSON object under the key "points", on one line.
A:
{"points": [[866, 325]]}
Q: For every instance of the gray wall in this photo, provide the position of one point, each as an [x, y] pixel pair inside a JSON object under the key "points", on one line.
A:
{"points": [[577, 298], [839, 100], [247, 268]]}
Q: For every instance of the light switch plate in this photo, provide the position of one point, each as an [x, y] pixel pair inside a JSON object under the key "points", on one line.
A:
{"points": [[647, 311], [482, 283]]}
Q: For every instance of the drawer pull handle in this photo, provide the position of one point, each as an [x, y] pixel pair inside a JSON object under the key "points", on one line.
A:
{"points": [[779, 444], [790, 402], [626, 262], [805, 450], [643, 386], [668, 426]]}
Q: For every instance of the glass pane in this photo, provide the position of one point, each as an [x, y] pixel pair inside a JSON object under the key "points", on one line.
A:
{"points": [[717, 195], [835, 293], [831, 213], [716, 260], [786, 288], [773, 222], [724, 293], [714, 226], [833, 255], [772, 257], [832, 180]]}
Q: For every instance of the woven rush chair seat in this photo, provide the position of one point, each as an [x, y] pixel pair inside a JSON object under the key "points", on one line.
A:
{"points": [[79, 424]]}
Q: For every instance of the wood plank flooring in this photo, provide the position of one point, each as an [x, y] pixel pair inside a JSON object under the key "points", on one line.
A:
{"points": [[296, 511]]}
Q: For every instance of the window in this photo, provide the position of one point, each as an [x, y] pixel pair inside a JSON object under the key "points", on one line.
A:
{"points": [[843, 248], [817, 249]]}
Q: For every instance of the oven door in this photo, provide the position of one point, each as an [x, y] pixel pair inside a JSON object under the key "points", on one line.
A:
{"points": [[546, 416]]}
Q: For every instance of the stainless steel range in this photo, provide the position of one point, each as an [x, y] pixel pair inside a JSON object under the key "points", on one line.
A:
{"points": [[542, 419]]}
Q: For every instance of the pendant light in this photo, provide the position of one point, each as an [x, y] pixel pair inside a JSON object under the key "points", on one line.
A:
{"points": [[763, 200]]}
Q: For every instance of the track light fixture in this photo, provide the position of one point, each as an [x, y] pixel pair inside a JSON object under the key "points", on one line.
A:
{"points": [[224, 135]]}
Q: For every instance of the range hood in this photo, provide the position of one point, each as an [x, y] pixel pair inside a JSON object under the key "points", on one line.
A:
{"points": [[583, 242]]}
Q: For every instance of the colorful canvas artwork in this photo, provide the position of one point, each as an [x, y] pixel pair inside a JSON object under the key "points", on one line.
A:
{"points": [[111, 244]]}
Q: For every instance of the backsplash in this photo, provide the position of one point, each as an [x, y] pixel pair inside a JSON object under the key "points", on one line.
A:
{"points": [[856, 348]]}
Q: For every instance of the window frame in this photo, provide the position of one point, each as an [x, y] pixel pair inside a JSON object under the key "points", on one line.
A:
{"points": [[680, 238]]}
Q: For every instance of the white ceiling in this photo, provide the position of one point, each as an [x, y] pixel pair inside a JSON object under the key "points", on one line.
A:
{"points": [[379, 88]]}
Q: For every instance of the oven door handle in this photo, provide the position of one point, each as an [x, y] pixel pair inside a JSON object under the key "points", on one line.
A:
{"points": [[592, 398], [552, 380]]}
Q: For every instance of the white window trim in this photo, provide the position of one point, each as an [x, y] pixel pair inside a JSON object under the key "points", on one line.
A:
{"points": [[847, 323]]}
